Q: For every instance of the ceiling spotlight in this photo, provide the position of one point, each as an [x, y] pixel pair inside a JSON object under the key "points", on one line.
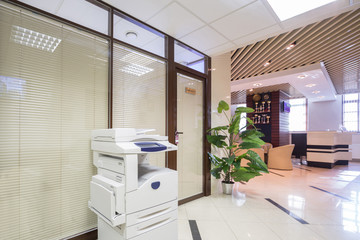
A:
{"points": [[320, 96], [310, 85], [291, 46], [131, 35], [257, 84], [315, 92], [251, 89], [267, 63], [301, 76]]}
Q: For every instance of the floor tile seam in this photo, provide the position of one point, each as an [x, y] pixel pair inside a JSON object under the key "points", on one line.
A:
{"points": [[297, 224], [194, 229], [289, 213], [332, 193]]}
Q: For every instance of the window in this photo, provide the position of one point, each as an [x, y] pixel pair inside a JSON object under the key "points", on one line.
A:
{"points": [[351, 110], [297, 118], [53, 92], [243, 122]]}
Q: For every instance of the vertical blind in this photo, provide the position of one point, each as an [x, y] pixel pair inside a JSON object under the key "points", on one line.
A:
{"points": [[53, 92], [351, 112], [139, 93]]}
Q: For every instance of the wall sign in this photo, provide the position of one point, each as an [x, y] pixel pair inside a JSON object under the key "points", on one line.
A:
{"points": [[190, 90]]}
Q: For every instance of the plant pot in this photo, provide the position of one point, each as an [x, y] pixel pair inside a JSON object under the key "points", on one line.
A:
{"points": [[227, 187]]}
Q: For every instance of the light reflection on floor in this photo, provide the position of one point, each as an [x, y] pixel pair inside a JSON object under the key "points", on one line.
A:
{"points": [[333, 213]]}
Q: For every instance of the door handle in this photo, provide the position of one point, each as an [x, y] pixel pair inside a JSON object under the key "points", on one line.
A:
{"points": [[177, 137]]}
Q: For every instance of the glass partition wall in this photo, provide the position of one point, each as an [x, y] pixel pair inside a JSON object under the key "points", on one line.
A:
{"points": [[62, 76]]}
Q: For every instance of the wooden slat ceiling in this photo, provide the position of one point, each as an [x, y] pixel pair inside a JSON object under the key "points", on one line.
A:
{"points": [[239, 97], [334, 41]]}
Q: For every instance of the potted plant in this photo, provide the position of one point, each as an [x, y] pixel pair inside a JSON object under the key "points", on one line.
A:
{"points": [[228, 167]]}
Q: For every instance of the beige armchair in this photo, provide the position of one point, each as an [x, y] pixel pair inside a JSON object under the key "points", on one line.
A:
{"points": [[280, 157]]}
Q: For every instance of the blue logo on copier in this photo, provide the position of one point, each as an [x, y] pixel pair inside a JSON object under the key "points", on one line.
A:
{"points": [[155, 185]]}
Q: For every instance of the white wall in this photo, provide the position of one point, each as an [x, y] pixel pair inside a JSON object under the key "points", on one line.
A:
{"points": [[325, 115], [220, 90]]}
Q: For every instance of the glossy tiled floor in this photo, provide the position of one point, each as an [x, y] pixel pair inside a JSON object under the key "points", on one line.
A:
{"points": [[328, 200]]}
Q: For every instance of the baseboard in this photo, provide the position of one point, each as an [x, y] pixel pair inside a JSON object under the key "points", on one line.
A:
{"points": [[320, 164], [327, 164], [88, 235]]}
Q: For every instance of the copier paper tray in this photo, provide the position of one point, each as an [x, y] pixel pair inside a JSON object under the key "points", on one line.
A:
{"points": [[156, 186]]}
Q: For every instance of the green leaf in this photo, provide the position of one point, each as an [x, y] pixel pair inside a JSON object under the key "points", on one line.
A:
{"points": [[250, 132], [217, 140], [243, 175], [229, 160], [231, 147], [216, 172], [256, 162], [225, 168], [249, 120], [218, 128], [254, 139], [248, 145], [216, 161], [244, 110], [234, 127], [223, 106]]}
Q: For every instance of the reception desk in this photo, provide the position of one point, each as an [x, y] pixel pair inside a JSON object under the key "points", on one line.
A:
{"points": [[327, 149]]}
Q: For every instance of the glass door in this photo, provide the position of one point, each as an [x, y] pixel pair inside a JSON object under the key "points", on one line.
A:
{"points": [[189, 135]]}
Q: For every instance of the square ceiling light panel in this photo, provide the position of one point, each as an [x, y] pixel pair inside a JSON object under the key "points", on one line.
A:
{"points": [[291, 8]]}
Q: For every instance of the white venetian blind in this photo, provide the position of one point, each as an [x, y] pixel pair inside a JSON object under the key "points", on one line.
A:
{"points": [[53, 92], [139, 93]]}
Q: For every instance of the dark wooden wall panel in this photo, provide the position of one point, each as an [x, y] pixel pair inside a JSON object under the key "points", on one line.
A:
{"points": [[279, 120], [284, 122]]}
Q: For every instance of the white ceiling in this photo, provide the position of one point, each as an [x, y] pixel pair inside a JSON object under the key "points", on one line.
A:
{"points": [[218, 26], [315, 74], [211, 26]]}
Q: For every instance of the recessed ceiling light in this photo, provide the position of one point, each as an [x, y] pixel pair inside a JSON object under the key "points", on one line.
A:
{"points": [[34, 39], [315, 92], [131, 35], [310, 85], [267, 63], [257, 84], [291, 8], [291, 46], [320, 96], [302, 76]]}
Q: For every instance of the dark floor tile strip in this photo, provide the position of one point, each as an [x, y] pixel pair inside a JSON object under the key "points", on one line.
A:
{"points": [[331, 193], [276, 174], [303, 168], [194, 230], [300, 220]]}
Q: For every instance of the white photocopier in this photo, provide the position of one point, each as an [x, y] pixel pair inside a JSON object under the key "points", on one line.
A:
{"points": [[132, 199]]}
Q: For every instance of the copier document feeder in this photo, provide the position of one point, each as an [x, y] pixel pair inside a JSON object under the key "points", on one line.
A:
{"points": [[132, 199]]}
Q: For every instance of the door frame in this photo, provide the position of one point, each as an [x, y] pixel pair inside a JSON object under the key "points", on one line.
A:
{"points": [[173, 69]]}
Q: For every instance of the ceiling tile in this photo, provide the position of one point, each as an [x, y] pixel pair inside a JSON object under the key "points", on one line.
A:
{"points": [[141, 9], [210, 10], [204, 38], [227, 47], [245, 21], [175, 21], [83, 12], [46, 5], [259, 35]]}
